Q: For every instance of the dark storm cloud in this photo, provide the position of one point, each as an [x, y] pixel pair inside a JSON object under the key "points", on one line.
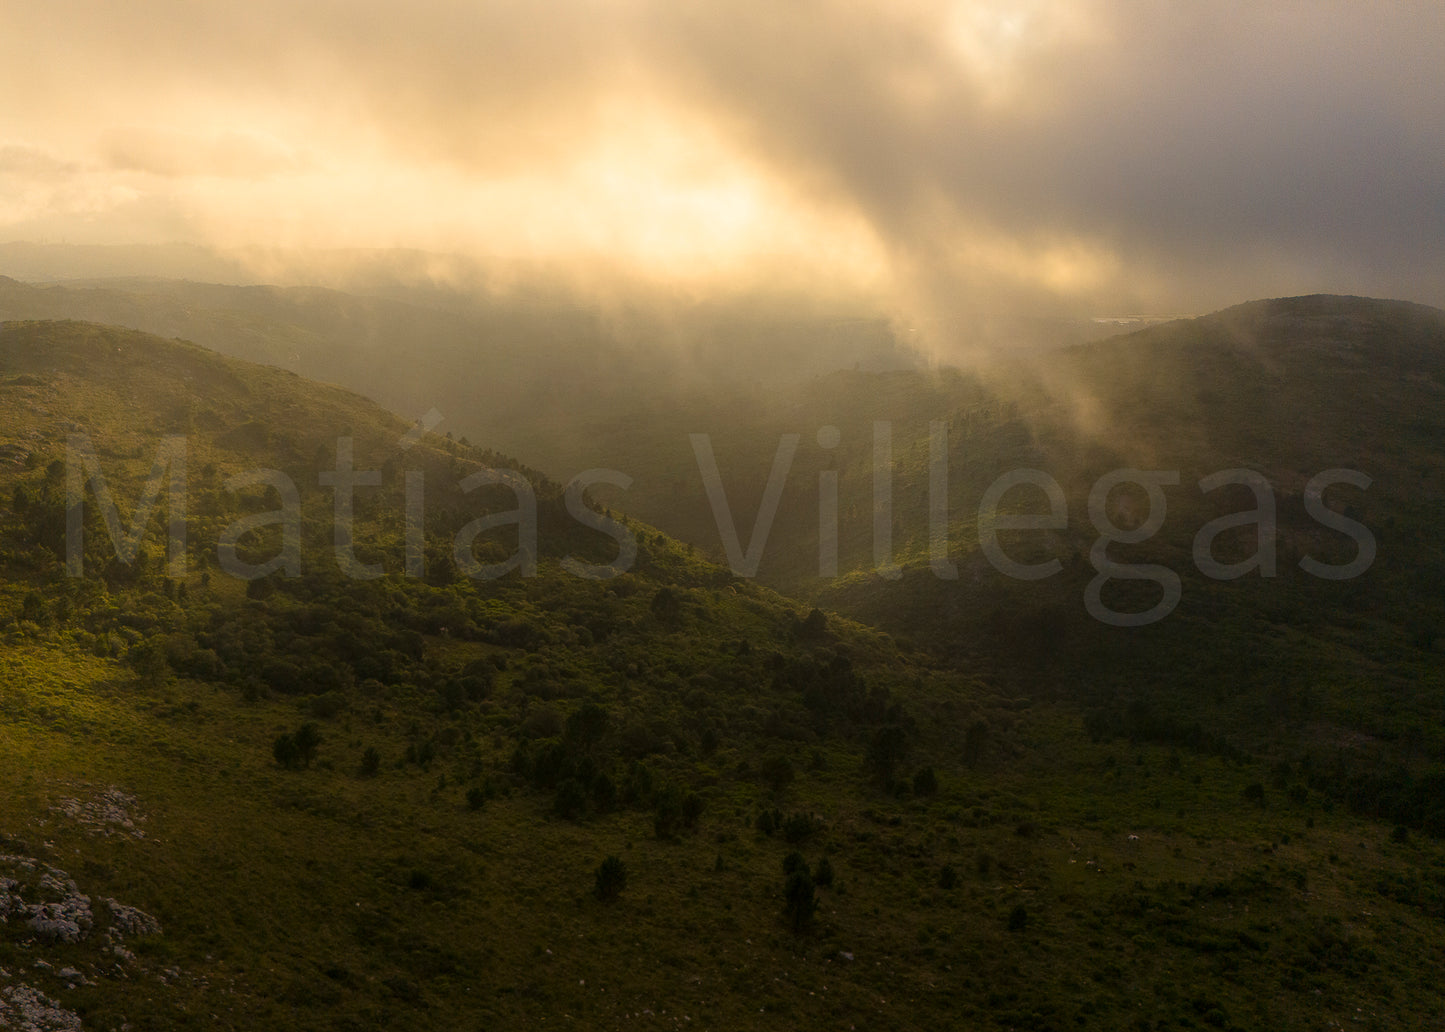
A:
{"points": [[1238, 141], [1086, 155]]}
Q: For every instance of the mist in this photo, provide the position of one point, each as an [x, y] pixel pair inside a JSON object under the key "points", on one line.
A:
{"points": [[953, 168]]}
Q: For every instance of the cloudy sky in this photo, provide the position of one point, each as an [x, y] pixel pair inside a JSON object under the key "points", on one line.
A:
{"points": [[1107, 157]]}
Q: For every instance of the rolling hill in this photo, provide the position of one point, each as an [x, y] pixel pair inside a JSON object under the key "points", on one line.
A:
{"points": [[395, 789]]}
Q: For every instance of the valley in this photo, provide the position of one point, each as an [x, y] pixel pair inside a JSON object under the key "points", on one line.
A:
{"points": [[344, 787]]}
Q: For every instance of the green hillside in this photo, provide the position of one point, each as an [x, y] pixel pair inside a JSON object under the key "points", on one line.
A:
{"points": [[329, 801]]}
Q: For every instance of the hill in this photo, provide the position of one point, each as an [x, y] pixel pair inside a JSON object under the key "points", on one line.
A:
{"points": [[665, 797], [527, 370]]}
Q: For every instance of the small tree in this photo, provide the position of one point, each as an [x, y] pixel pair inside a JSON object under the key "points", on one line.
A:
{"points": [[148, 658], [823, 873], [777, 771], [799, 827], [666, 606], [667, 812], [370, 762], [285, 751], [692, 807], [925, 782], [815, 626], [611, 878], [800, 901], [307, 739], [886, 752], [604, 793], [585, 727], [571, 799]]}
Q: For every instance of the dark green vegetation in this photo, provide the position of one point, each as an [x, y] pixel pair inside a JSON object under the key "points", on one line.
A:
{"points": [[676, 793]]}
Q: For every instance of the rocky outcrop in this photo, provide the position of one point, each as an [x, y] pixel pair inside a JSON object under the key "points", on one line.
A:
{"points": [[56, 910], [45, 901], [26, 1009], [112, 812]]}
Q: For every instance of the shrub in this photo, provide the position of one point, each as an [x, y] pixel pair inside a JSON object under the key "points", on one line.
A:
{"points": [[777, 771], [611, 878], [453, 696], [370, 762], [691, 809], [823, 873], [475, 798], [1018, 918], [585, 727], [708, 741], [327, 705], [421, 754], [308, 739], [886, 751], [604, 793], [925, 782], [947, 877], [666, 606], [799, 827], [570, 800], [668, 812], [794, 862], [284, 749], [800, 900]]}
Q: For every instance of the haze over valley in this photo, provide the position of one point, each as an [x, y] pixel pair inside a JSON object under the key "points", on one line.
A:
{"points": [[914, 516]]}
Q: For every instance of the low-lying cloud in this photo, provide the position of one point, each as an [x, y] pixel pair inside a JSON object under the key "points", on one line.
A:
{"points": [[954, 161]]}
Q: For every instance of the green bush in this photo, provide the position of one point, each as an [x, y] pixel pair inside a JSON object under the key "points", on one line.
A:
{"points": [[298, 748], [769, 821], [925, 782], [667, 812], [800, 900], [799, 827], [285, 751], [777, 771], [823, 873], [886, 751], [308, 740], [571, 800], [692, 806], [611, 878]]}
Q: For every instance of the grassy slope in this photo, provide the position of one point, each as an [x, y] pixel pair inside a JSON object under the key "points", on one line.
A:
{"points": [[320, 898]]}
